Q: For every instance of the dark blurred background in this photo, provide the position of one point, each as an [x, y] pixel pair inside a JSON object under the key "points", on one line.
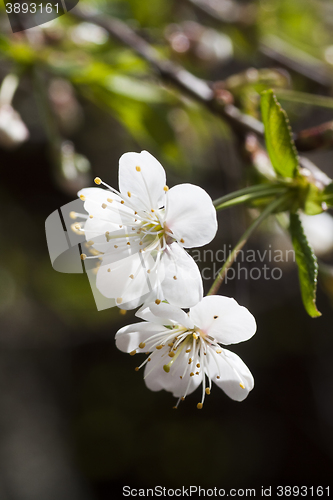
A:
{"points": [[76, 421]]}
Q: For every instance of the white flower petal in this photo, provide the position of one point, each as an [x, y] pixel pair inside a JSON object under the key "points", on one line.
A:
{"points": [[143, 177], [156, 378], [191, 215], [182, 284], [223, 319], [116, 242], [164, 314], [127, 279], [129, 337], [95, 197], [232, 372]]}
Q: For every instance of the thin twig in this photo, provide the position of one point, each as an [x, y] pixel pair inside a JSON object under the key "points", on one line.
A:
{"points": [[274, 48], [170, 72], [232, 256], [320, 136], [178, 76]]}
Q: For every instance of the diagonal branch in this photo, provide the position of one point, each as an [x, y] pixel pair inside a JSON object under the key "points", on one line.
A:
{"points": [[172, 73], [185, 81]]}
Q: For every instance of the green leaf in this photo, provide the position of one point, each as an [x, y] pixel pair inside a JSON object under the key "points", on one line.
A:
{"points": [[307, 265], [279, 142]]}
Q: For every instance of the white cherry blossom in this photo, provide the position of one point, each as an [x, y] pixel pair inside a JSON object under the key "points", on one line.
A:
{"points": [[184, 350], [140, 233]]}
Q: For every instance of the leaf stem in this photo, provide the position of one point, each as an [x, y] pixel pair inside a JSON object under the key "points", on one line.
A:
{"points": [[232, 256], [250, 197], [247, 190]]}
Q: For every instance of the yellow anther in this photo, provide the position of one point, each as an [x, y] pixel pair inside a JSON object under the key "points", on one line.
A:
{"points": [[122, 202], [138, 169], [128, 243], [148, 271], [93, 251], [104, 205], [77, 226], [72, 215], [170, 344], [182, 398], [116, 246], [188, 350], [199, 406], [171, 354], [197, 373], [159, 347], [136, 368], [82, 197], [190, 361], [166, 368], [207, 390], [152, 210], [182, 240], [110, 200], [129, 194], [132, 353], [132, 276], [242, 386], [120, 226], [195, 336], [198, 365], [109, 270], [142, 345], [89, 243], [166, 188], [191, 374], [180, 376], [119, 300], [140, 243], [83, 256], [218, 351], [175, 277], [135, 213], [122, 312], [218, 376], [149, 359], [91, 216], [98, 180], [174, 407]]}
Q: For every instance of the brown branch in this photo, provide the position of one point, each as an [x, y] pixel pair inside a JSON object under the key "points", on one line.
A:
{"points": [[226, 11], [274, 48], [170, 72], [320, 136], [296, 60], [178, 76]]}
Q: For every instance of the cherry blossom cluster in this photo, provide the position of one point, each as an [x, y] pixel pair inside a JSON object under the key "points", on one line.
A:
{"points": [[140, 234]]}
